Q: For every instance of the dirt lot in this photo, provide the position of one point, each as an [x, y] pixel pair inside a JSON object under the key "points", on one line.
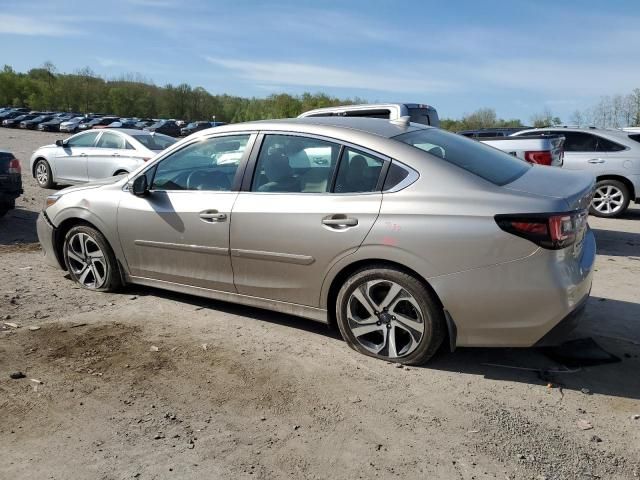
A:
{"points": [[235, 392]]}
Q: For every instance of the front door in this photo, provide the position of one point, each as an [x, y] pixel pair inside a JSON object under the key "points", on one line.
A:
{"points": [[71, 159], [179, 233], [301, 216]]}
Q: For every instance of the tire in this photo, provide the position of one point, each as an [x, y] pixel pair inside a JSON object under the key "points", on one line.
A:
{"points": [[90, 260], [411, 307], [611, 199], [43, 174]]}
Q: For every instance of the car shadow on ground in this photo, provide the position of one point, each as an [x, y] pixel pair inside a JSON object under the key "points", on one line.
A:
{"points": [[534, 366], [18, 226], [617, 243]]}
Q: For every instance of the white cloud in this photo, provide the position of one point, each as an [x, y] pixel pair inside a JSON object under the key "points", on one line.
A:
{"points": [[310, 75], [33, 26]]}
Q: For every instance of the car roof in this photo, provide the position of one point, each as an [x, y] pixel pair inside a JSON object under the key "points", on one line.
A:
{"points": [[601, 131], [374, 126]]}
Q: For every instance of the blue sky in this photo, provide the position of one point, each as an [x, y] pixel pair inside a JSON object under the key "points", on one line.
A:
{"points": [[515, 56]]}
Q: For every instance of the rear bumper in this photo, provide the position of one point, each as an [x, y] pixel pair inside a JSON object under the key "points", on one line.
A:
{"points": [[519, 303], [558, 334], [46, 236]]}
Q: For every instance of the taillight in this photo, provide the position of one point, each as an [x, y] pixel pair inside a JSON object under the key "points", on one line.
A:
{"points": [[539, 158], [553, 231], [14, 166]]}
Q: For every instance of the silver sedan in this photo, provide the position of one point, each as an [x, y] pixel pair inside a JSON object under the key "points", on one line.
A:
{"points": [[403, 235], [95, 154]]}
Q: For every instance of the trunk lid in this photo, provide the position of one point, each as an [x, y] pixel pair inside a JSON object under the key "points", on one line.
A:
{"points": [[574, 187]]}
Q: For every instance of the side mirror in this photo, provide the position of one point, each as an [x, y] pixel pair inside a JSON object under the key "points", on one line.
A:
{"points": [[60, 143], [139, 187]]}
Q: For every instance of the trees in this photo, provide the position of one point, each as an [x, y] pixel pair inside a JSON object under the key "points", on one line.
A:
{"points": [[481, 118]]}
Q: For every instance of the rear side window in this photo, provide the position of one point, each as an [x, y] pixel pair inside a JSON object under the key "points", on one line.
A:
{"points": [[605, 145], [578, 141], [111, 140], [486, 162], [358, 172], [635, 136], [294, 164]]}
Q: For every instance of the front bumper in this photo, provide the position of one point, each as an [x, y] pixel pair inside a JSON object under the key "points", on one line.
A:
{"points": [[46, 236]]}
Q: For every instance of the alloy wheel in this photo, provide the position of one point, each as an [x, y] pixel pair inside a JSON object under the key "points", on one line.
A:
{"points": [[385, 318], [87, 261], [608, 199], [42, 173]]}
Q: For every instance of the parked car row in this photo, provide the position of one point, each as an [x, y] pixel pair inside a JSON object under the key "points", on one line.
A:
{"points": [[72, 122]]}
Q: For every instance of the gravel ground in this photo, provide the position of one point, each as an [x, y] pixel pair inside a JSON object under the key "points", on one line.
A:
{"points": [[149, 384]]}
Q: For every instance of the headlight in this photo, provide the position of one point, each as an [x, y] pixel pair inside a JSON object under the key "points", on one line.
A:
{"points": [[51, 199]]}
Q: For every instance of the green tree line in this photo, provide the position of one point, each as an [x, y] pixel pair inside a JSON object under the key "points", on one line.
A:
{"points": [[45, 88]]}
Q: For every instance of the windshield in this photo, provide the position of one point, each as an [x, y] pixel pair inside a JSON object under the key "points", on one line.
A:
{"points": [[156, 142], [486, 162]]}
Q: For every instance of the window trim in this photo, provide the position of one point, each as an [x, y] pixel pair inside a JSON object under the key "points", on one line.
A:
{"points": [[235, 185], [250, 169]]}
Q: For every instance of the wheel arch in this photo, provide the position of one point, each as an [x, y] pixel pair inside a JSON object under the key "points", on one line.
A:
{"points": [[347, 270], [622, 179]]}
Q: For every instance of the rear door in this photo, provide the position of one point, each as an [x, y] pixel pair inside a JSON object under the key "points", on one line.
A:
{"points": [[580, 150], [71, 159], [306, 202], [112, 153]]}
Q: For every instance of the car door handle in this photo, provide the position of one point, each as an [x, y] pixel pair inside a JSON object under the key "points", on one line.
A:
{"points": [[596, 160], [83, 154], [212, 216], [339, 221]]}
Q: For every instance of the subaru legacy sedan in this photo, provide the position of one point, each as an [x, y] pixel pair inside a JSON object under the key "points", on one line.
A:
{"points": [[404, 235], [95, 154]]}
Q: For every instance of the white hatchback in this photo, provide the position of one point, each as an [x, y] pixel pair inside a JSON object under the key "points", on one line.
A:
{"points": [[95, 154]]}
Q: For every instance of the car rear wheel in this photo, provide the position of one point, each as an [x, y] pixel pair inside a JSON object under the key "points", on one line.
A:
{"points": [[90, 260], [388, 314], [43, 174], [611, 199]]}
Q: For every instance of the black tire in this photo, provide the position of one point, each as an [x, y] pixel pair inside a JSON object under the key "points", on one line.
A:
{"points": [[108, 269], [43, 183], [622, 195], [434, 327]]}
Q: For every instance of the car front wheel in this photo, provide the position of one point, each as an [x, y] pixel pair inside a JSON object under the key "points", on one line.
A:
{"points": [[611, 199], [388, 314], [43, 174], [90, 260]]}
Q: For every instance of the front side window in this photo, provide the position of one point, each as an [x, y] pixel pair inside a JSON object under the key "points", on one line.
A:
{"points": [[111, 140], [358, 172], [209, 164], [293, 164], [486, 162], [84, 140]]}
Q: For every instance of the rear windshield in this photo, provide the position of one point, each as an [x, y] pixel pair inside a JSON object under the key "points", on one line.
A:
{"points": [[486, 162], [157, 141]]}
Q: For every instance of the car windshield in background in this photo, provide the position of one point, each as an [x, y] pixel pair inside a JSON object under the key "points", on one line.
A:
{"points": [[156, 141], [486, 162]]}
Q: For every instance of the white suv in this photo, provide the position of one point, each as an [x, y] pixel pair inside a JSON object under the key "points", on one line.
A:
{"points": [[614, 158]]}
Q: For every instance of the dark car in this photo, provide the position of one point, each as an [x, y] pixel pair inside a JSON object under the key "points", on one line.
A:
{"points": [[194, 127], [10, 181], [53, 125], [144, 122], [167, 127], [34, 122], [15, 122], [9, 115]]}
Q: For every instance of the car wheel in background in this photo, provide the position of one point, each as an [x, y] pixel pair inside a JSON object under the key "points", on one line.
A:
{"points": [[43, 174], [90, 260], [388, 314], [611, 199]]}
